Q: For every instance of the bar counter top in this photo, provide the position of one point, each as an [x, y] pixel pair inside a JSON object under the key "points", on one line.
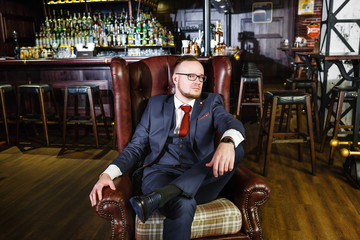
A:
{"points": [[72, 61]]}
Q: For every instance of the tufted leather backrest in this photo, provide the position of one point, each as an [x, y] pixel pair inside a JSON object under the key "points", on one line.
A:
{"points": [[135, 83]]}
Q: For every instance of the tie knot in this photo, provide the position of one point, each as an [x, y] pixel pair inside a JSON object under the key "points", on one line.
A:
{"points": [[185, 108]]}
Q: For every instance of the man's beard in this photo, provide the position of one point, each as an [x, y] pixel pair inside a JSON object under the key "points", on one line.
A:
{"points": [[189, 95]]}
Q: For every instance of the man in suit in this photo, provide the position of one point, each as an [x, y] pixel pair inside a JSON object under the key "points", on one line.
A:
{"points": [[175, 137]]}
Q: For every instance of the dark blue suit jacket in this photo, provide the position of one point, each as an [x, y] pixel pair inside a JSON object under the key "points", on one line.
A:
{"points": [[148, 141]]}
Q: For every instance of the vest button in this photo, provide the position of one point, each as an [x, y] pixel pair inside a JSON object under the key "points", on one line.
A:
{"points": [[180, 139], [180, 146], [180, 154]]}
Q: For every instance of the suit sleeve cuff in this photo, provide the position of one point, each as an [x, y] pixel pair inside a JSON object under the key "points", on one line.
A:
{"points": [[113, 171], [235, 135]]}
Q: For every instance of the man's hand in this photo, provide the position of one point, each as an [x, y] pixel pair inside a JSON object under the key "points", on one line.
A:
{"points": [[223, 159], [96, 193]]}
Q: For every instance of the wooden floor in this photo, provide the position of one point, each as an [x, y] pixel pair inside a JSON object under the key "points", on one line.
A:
{"points": [[44, 194]]}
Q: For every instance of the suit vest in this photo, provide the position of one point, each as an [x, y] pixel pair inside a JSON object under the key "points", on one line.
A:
{"points": [[178, 150]]}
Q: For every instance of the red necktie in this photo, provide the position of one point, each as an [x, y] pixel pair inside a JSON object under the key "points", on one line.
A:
{"points": [[184, 127]]}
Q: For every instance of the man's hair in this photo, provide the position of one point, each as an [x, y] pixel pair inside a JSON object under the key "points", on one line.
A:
{"points": [[184, 58]]}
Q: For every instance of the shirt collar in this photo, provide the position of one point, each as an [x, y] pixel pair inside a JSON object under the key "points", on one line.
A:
{"points": [[178, 103]]}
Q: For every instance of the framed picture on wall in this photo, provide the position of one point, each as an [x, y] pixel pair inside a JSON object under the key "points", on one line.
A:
{"points": [[262, 12], [306, 7]]}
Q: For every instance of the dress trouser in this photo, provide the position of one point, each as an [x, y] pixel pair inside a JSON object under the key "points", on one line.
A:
{"points": [[198, 185]]}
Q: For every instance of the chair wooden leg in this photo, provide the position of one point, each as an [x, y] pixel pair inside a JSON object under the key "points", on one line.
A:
{"points": [[241, 90], [64, 117], [316, 111], [76, 114], [103, 115], [4, 113], [270, 136], [43, 115], [18, 111], [93, 116], [261, 95], [311, 133], [261, 132], [299, 130]]}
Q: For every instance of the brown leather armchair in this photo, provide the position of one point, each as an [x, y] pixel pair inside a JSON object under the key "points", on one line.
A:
{"points": [[133, 84]]}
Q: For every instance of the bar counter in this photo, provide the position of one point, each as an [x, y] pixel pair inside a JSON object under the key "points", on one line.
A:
{"points": [[64, 72]]}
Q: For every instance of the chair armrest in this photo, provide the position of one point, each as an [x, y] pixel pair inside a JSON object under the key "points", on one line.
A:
{"points": [[251, 192], [115, 207]]}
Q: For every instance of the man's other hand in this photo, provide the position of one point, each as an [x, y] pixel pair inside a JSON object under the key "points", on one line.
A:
{"points": [[223, 159], [96, 192]]}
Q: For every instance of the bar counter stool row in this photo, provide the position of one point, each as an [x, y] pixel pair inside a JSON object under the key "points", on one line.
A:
{"points": [[33, 108]]}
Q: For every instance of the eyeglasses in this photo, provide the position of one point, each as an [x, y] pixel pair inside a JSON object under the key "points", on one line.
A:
{"points": [[193, 76]]}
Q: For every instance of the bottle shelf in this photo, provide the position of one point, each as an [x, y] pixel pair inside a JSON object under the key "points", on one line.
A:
{"points": [[65, 2], [133, 46]]}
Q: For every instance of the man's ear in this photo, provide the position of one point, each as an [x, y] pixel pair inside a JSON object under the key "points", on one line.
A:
{"points": [[175, 78]]}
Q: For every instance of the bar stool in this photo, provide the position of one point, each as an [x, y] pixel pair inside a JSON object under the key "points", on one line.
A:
{"points": [[251, 75], [5, 88], [339, 95], [309, 86], [40, 90], [90, 91], [273, 99]]}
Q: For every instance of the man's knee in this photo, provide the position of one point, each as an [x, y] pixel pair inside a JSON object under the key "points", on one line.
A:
{"points": [[179, 207]]}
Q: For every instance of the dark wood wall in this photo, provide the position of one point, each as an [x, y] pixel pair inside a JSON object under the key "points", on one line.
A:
{"points": [[22, 16]]}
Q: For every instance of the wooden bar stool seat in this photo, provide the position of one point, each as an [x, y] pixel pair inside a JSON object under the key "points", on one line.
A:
{"points": [[309, 86], [339, 95], [91, 91], [274, 99], [5, 88], [26, 93]]}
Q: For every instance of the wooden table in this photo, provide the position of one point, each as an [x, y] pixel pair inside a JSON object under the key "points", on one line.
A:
{"points": [[292, 51]]}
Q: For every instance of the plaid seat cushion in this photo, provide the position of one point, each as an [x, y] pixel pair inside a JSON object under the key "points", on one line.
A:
{"points": [[215, 218]]}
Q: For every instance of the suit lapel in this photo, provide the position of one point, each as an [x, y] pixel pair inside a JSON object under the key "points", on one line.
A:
{"points": [[167, 111], [194, 116]]}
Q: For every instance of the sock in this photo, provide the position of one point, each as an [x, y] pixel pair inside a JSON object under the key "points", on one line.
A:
{"points": [[167, 193]]}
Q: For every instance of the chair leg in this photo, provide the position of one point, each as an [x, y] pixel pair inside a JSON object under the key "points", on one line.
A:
{"points": [[4, 113], [261, 94], [270, 136], [316, 110], [261, 132], [327, 122], [311, 133], [76, 114], [336, 125], [43, 115], [18, 116], [241, 89], [103, 115], [64, 117], [299, 130], [93, 116]]}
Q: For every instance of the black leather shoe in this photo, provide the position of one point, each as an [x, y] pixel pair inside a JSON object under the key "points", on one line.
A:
{"points": [[145, 205]]}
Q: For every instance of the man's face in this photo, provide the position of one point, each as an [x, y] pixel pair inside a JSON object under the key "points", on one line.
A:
{"points": [[186, 90]]}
